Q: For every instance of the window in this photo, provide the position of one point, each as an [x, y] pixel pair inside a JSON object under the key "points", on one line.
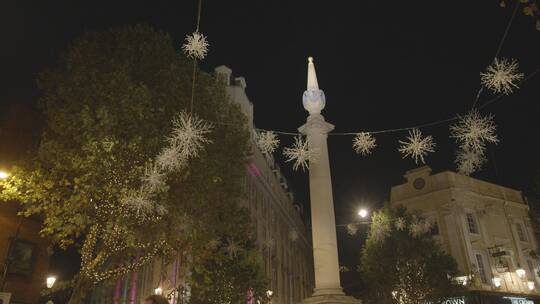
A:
{"points": [[481, 268], [471, 222], [521, 234]]}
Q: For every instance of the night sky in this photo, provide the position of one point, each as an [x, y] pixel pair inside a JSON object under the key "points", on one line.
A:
{"points": [[381, 64]]}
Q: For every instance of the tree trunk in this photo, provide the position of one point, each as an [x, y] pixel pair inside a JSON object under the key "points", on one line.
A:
{"points": [[79, 292]]}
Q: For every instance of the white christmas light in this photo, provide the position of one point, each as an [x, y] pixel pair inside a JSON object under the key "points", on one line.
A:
{"points": [[196, 46], [416, 146], [473, 132], [170, 159], [154, 178], [380, 229], [530, 285], [299, 153], [400, 224], [520, 273], [139, 202], [469, 161], [417, 228], [502, 76], [189, 134], [364, 143], [293, 235], [351, 229], [232, 248], [268, 141], [158, 291]]}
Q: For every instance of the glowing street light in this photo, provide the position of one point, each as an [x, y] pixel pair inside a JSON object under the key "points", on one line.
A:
{"points": [[50, 281], [3, 174], [520, 272], [158, 291], [363, 213]]}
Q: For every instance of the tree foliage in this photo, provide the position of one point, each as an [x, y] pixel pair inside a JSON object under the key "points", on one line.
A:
{"points": [[402, 268], [529, 8], [108, 107]]}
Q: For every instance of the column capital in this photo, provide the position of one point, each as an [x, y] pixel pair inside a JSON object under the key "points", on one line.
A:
{"points": [[316, 125]]}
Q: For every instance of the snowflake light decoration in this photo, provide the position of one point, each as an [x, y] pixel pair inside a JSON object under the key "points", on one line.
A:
{"points": [[501, 76], [380, 228], [300, 154], [351, 229], [232, 248], [364, 143], [416, 146], [416, 229], [473, 131], [468, 161], [189, 135], [268, 142], [293, 235], [400, 224], [170, 159], [139, 202], [154, 178], [196, 46]]}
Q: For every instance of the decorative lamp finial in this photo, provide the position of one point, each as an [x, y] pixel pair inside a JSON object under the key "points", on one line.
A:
{"points": [[313, 99]]}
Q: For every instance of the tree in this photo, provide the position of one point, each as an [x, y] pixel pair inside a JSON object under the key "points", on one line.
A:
{"points": [[530, 9], [108, 108], [401, 263]]}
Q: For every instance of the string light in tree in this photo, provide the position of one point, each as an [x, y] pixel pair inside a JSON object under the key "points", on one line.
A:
{"points": [[473, 132], [170, 159], [267, 141], [189, 134], [300, 154], [502, 76], [416, 146], [364, 143], [196, 46], [469, 161], [154, 178], [380, 229]]}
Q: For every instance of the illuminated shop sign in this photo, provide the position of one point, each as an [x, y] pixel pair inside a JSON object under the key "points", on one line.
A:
{"points": [[460, 300], [517, 300]]}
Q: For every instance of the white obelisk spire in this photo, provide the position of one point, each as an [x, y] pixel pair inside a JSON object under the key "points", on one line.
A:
{"points": [[325, 254]]}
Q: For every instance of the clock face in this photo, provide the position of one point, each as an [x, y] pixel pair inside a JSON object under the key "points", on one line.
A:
{"points": [[419, 183]]}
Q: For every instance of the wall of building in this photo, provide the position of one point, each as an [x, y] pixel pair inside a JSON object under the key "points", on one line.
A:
{"points": [[479, 223], [281, 231], [24, 288]]}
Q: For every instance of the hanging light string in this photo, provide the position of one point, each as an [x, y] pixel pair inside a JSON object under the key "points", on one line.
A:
{"points": [[499, 48], [199, 9], [429, 124]]}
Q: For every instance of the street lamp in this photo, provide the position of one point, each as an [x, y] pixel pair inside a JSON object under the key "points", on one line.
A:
{"points": [[363, 213], [50, 281], [158, 291], [3, 174]]}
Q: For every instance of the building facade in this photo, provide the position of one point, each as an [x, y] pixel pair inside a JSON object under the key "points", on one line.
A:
{"points": [[484, 226], [24, 260], [281, 231]]}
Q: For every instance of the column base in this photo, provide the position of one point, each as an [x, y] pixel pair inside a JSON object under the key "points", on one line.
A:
{"points": [[330, 296]]}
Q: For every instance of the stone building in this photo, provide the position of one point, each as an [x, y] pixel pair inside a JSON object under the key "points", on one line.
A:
{"points": [[280, 228], [484, 226]]}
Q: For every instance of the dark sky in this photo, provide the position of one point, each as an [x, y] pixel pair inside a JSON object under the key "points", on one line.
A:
{"points": [[382, 65]]}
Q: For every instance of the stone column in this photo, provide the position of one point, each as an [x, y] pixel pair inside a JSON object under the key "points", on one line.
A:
{"points": [[325, 254]]}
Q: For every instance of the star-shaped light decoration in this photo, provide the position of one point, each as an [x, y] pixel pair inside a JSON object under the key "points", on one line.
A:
{"points": [[400, 224], [268, 142], [416, 228], [170, 159], [196, 46], [380, 228], [139, 201], [189, 135], [232, 248], [293, 235], [416, 146], [364, 143], [154, 178], [468, 161], [351, 229], [300, 154], [502, 76], [472, 132]]}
